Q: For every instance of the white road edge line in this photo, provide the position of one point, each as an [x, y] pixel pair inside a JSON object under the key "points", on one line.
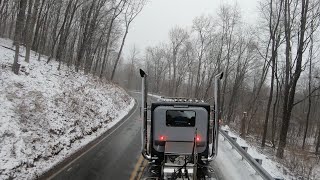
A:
{"points": [[55, 174]]}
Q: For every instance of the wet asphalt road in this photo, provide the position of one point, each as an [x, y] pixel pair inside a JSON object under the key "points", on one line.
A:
{"points": [[116, 157], [113, 158]]}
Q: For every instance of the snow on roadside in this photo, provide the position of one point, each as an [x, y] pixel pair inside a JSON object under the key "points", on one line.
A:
{"points": [[46, 115], [155, 97], [275, 169], [160, 98], [230, 165]]}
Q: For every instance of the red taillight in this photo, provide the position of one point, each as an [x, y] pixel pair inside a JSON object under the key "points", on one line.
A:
{"points": [[162, 138], [198, 138]]}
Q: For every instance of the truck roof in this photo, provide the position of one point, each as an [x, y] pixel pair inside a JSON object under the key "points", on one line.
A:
{"points": [[182, 104]]}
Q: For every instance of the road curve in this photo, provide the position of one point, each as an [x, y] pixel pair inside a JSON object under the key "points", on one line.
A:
{"points": [[113, 158], [117, 156]]}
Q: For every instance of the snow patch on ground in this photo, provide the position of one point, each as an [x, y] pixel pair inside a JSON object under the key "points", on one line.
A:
{"points": [[275, 169], [155, 96], [46, 114], [231, 165]]}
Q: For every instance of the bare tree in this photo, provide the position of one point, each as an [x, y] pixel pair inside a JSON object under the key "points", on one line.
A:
{"points": [[133, 59], [117, 10], [133, 8], [291, 79], [230, 17], [30, 28], [246, 54], [275, 35], [202, 26], [177, 37]]}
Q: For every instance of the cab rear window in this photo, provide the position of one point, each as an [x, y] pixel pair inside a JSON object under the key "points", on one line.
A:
{"points": [[180, 118]]}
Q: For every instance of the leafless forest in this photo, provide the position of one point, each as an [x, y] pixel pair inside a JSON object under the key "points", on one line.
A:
{"points": [[271, 73], [271, 69], [87, 35]]}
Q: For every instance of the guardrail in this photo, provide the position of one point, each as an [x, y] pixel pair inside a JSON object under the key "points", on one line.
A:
{"points": [[254, 164]]}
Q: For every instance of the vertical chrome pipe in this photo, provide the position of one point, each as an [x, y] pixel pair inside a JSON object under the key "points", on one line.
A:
{"points": [[215, 130], [144, 108]]}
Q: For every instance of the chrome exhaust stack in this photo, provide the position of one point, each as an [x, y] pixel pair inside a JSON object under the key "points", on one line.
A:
{"points": [[144, 109], [215, 130]]}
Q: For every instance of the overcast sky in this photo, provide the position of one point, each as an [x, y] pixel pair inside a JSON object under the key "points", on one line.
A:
{"points": [[153, 24]]}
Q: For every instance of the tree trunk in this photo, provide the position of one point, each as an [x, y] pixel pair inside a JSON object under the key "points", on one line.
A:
{"points": [[119, 54], [309, 86], [18, 34], [38, 27], [318, 140], [265, 127], [290, 88], [274, 52], [30, 30], [275, 115], [28, 20], [106, 53]]}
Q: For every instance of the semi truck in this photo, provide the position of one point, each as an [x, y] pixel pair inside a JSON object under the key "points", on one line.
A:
{"points": [[181, 137]]}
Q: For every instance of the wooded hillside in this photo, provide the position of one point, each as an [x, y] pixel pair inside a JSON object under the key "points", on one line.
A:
{"points": [[89, 34]]}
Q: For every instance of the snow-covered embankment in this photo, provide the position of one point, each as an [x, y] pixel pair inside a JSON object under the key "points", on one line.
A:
{"points": [[46, 115]]}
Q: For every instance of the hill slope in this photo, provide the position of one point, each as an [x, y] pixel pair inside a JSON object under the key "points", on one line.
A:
{"points": [[46, 114]]}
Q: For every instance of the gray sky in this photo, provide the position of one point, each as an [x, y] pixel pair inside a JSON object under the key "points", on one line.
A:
{"points": [[153, 24]]}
